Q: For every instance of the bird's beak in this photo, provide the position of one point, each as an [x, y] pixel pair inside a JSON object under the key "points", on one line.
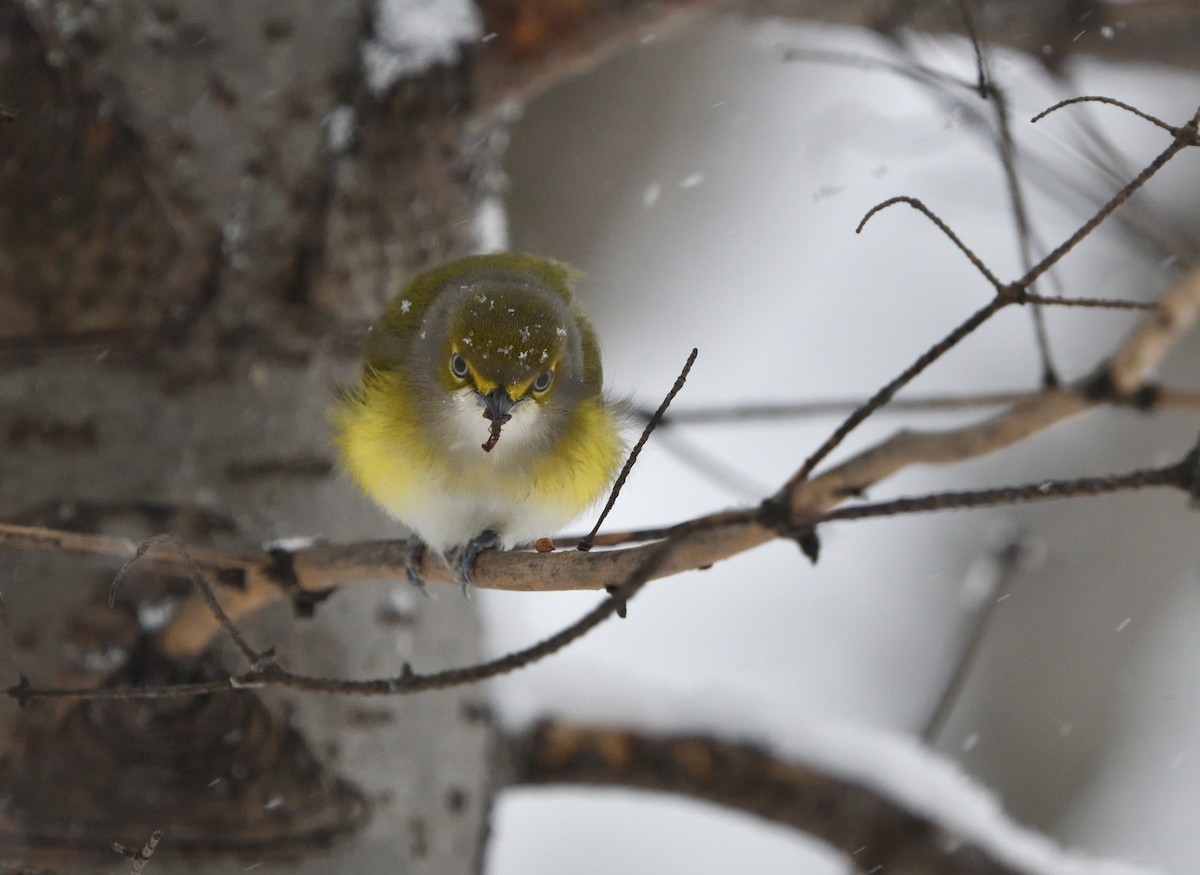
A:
{"points": [[497, 404]]}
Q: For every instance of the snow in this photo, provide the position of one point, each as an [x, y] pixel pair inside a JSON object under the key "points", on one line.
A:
{"points": [[895, 765], [639, 828], [152, 615], [490, 225], [341, 128], [291, 544], [412, 35]]}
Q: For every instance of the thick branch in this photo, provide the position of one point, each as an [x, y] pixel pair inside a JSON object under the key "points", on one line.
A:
{"points": [[874, 832]]}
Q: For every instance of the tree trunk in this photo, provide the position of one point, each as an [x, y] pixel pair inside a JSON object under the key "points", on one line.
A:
{"points": [[187, 251]]}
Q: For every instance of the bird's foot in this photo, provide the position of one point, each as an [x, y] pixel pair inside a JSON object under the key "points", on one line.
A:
{"points": [[413, 554], [464, 557]]}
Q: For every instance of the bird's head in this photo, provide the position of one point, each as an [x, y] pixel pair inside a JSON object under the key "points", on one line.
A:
{"points": [[498, 345]]}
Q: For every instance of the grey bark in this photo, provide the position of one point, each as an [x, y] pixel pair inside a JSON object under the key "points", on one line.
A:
{"points": [[185, 263]]}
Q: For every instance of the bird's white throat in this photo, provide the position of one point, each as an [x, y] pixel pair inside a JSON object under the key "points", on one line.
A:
{"points": [[525, 432]]}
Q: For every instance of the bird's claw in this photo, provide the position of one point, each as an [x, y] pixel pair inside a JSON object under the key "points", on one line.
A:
{"points": [[413, 554], [464, 561]]}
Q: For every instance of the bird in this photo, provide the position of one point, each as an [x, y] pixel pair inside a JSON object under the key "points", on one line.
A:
{"points": [[479, 420]]}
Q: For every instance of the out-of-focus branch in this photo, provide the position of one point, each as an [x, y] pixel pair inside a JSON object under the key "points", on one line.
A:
{"points": [[877, 834], [532, 44]]}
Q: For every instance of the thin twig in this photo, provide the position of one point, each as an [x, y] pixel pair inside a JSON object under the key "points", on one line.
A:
{"points": [[1006, 561], [1008, 495], [884, 395], [1012, 293], [916, 204], [201, 584], [1154, 120], [982, 77], [139, 859], [1006, 150], [1094, 303], [586, 544], [1184, 137]]}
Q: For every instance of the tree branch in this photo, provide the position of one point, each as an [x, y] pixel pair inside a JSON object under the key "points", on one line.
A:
{"points": [[251, 582], [876, 833]]}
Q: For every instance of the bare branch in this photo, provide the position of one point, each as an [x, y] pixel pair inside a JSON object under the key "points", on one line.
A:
{"points": [[1184, 137], [1154, 120], [590, 538], [916, 204], [1003, 564]]}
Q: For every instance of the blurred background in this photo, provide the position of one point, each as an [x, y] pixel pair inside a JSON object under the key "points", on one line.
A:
{"points": [[709, 184]]}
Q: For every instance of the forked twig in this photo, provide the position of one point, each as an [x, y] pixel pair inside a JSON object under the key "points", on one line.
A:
{"points": [[1015, 292], [1007, 561]]}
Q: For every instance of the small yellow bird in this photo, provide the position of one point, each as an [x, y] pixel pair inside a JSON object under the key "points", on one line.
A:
{"points": [[479, 419]]}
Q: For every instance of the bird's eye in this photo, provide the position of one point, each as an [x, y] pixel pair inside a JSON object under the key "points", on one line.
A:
{"points": [[458, 366], [542, 383]]}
